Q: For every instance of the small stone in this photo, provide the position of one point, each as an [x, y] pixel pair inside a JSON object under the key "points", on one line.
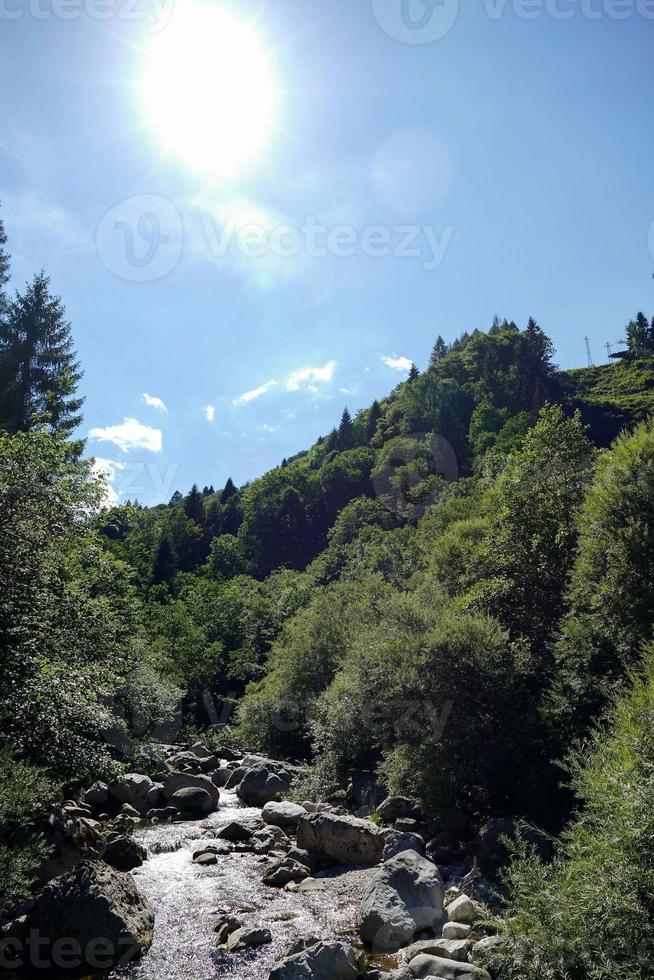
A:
{"points": [[248, 938]]}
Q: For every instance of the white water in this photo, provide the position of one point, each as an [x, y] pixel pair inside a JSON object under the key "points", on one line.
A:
{"points": [[187, 900]]}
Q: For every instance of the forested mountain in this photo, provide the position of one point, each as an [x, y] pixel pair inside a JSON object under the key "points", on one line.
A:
{"points": [[451, 588]]}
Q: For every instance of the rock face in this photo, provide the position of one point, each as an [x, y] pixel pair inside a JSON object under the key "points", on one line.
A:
{"points": [[340, 840], [183, 780], [262, 784], [324, 961], [284, 815], [100, 910], [424, 966], [405, 896]]}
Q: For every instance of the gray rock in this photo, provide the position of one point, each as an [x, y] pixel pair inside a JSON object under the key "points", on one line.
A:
{"points": [[284, 815], [425, 966], [226, 925], [193, 802], [447, 949], [396, 842], [456, 930], [130, 788], [175, 781], [220, 777], [404, 897], [262, 784], [97, 796], [248, 938], [464, 910], [91, 905], [124, 853], [281, 872], [235, 777], [340, 839], [324, 961], [236, 833], [155, 798], [487, 954], [269, 839], [395, 808]]}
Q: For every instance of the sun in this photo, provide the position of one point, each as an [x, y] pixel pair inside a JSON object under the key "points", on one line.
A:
{"points": [[208, 89]]}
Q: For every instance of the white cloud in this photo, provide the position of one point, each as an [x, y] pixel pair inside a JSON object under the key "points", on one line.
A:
{"points": [[106, 470], [209, 412], [249, 396], [397, 363], [154, 402], [130, 434], [308, 374]]}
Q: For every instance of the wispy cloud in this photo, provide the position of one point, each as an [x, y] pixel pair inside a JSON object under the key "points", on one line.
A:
{"points": [[153, 402], [130, 434], [209, 412], [310, 376], [249, 396], [397, 363]]}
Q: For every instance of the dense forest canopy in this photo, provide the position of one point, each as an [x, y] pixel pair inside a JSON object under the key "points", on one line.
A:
{"points": [[451, 588]]}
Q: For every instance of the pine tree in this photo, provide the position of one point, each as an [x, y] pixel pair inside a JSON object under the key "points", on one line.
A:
{"points": [[345, 430], [439, 350], [414, 373], [228, 491], [39, 372], [193, 507], [163, 567], [374, 415], [4, 268]]}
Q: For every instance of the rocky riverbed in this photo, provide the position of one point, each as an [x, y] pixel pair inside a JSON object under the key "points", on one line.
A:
{"points": [[188, 899]]}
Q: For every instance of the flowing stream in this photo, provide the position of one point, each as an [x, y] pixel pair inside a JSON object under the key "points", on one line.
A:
{"points": [[188, 898]]}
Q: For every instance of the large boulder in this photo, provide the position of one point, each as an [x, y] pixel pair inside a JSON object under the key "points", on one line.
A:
{"points": [[396, 843], [97, 796], [395, 808], [124, 853], [97, 909], [192, 801], [425, 966], [248, 938], [262, 784], [132, 788], [283, 871], [284, 815], [404, 897], [340, 840], [447, 949], [324, 961], [175, 781]]}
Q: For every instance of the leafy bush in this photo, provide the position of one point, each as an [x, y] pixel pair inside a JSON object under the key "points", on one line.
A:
{"points": [[589, 915]]}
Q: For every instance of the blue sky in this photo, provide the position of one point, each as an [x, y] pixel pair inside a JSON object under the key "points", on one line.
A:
{"points": [[511, 157]]}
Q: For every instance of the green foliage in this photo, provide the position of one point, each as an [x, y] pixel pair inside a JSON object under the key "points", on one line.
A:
{"points": [[589, 914], [24, 792], [39, 373], [612, 586]]}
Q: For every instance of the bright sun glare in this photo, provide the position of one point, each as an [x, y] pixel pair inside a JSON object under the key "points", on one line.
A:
{"points": [[208, 89]]}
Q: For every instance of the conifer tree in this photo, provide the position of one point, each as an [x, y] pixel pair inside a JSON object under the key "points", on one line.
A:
{"points": [[4, 267], [163, 567], [228, 491], [374, 415], [39, 371], [345, 430], [414, 373], [439, 351], [193, 507]]}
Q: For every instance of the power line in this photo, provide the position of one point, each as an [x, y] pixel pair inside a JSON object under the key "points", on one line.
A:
{"points": [[590, 356]]}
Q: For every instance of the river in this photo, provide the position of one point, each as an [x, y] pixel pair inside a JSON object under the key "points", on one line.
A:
{"points": [[188, 898]]}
